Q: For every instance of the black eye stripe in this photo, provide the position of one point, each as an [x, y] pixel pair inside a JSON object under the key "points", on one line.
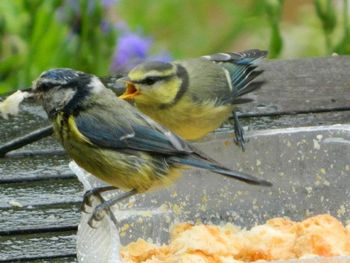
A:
{"points": [[151, 80], [78, 82], [46, 86]]}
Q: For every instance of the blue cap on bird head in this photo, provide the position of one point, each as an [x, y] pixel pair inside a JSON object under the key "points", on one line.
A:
{"points": [[59, 77], [61, 74]]}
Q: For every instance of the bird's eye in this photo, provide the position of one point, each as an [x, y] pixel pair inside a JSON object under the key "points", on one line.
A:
{"points": [[150, 80], [43, 86]]}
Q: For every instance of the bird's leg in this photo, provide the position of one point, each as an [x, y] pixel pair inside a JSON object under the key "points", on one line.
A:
{"points": [[87, 201], [103, 208], [26, 139], [239, 132]]}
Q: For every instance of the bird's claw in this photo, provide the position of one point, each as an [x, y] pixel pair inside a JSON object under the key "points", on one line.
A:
{"points": [[98, 214], [239, 133], [103, 208], [87, 200], [93, 193]]}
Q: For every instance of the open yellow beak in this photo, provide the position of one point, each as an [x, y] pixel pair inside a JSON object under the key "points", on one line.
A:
{"points": [[130, 92]]}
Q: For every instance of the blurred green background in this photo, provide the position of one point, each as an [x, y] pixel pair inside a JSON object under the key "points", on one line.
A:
{"points": [[109, 36]]}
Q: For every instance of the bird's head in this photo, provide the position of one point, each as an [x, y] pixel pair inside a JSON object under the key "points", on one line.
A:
{"points": [[64, 89], [152, 83]]}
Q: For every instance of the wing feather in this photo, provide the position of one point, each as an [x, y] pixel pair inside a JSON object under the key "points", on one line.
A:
{"points": [[149, 137]]}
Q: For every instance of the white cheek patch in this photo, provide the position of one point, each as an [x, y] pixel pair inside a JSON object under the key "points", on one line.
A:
{"points": [[96, 85], [68, 95]]}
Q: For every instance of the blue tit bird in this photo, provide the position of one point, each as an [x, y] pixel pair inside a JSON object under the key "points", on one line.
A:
{"points": [[112, 82], [112, 140], [193, 97]]}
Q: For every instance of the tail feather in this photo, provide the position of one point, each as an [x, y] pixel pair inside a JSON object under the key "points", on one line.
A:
{"points": [[250, 87], [240, 69], [206, 165], [246, 77], [238, 73]]}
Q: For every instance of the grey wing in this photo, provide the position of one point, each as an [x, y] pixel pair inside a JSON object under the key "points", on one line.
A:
{"points": [[117, 130]]}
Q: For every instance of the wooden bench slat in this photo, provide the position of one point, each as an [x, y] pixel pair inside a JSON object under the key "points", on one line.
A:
{"points": [[41, 192], [42, 217], [303, 85], [58, 259], [33, 167], [296, 120], [34, 245]]}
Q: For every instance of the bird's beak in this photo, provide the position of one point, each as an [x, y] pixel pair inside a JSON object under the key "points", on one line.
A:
{"points": [[130, 92]]}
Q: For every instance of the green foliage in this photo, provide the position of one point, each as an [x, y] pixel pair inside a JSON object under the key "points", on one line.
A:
{"points": [[343, 47], [329, 19], [36, 35], [274, 12], [326, 14], [197, 27]]}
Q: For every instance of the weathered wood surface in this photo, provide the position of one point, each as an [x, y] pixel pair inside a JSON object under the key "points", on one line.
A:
{"points": [[303, 85], [40, 197]]}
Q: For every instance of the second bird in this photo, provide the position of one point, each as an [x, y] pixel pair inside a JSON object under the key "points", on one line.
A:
{"points": [[195, 96]]}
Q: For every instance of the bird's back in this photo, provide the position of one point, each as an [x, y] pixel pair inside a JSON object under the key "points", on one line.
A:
{"points": [[224, 76]]}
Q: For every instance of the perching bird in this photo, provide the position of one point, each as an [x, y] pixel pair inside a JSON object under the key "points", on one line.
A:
{"points": [[193, 97], [112, 140], [111, 82]]}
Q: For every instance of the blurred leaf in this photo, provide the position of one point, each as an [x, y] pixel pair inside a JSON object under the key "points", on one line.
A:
{"points": [[274, 12], [39, 35], [276, 42], [326, 13], [193, 28], [343, 47]]}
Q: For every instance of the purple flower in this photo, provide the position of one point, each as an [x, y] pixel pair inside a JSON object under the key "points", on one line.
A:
{"points": [[161, 56], [109, 3], [133, 49]]}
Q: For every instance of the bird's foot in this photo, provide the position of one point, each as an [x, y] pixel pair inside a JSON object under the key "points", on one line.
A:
{"points": [[89, 196], [239, 132], [98, 214], [102, 209]]}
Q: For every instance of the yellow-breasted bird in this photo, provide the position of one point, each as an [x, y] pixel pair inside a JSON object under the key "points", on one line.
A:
{"points": [[193, 97], [112, 140]]}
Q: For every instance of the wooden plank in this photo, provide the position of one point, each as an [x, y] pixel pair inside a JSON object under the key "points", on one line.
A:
{"points": [[25, 247], [40, 193], [40, 218], [295, 120], [34, 167], [303, 85], [58, 259], [30, 118]]}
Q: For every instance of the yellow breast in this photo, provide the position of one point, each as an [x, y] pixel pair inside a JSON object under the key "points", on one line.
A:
{"points": [[124, 171], [189, 120]]}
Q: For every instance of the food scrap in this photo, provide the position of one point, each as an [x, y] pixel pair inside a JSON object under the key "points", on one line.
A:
{"points": [[278, 239], [10, 106]]}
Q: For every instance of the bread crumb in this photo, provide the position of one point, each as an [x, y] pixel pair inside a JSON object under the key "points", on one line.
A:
{"points": [[278, 239]]}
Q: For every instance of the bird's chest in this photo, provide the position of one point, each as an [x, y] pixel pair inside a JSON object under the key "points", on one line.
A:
{"points": [[68, 135], [189, 119]]}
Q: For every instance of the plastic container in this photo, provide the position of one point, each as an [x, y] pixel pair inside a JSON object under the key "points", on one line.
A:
{"points": [[309, 168]]}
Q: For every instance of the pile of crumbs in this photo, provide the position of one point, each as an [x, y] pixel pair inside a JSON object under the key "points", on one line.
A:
{"points": [[278, 239]]}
